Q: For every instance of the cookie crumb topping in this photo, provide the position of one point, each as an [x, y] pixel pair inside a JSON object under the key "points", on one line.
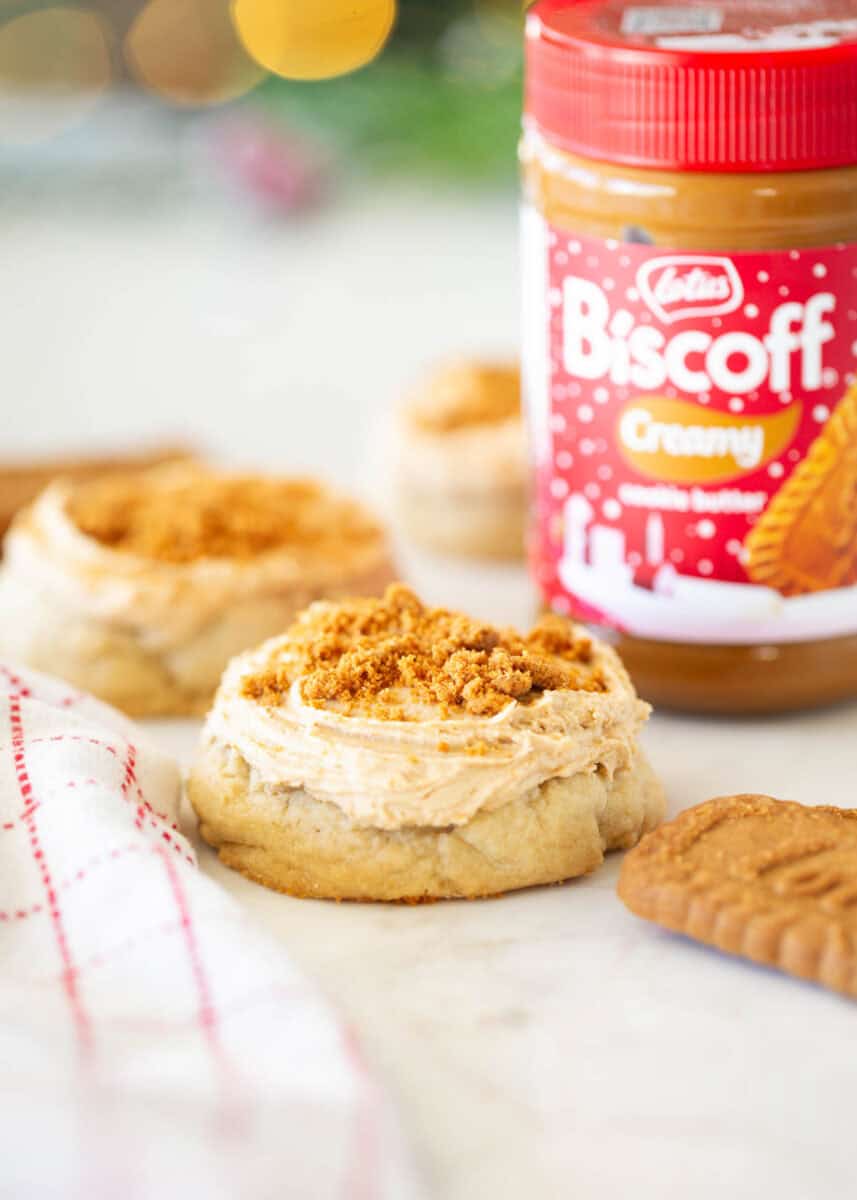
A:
{"points": [[465, 396], [178, 517], [367, 655]]}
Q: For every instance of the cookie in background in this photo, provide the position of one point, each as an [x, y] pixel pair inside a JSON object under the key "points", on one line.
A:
{"points": [[461, 463], [21, 482], [140, 587], [385, 750]]}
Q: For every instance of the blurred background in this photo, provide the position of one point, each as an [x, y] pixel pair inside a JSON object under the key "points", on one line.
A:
{"points": [[250, 227]]}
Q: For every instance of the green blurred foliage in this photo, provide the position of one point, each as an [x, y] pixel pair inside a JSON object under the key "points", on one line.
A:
{"points": [[443, 99]]}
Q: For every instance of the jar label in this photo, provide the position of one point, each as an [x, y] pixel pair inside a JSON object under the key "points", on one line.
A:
{"points": [[694, 430]]}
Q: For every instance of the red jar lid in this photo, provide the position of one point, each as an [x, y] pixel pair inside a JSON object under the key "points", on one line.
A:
{"points": [[725, 85]]}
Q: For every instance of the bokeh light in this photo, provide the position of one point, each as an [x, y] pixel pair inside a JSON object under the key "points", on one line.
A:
{"points": [[187, 51], [313, 39], [54, 68]]}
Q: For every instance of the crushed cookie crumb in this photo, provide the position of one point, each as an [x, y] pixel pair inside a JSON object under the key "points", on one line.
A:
{"points": [[468, 395], [364, 654], [178, 517]]}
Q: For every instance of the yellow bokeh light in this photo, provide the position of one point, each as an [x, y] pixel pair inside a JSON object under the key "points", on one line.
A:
{"points": [[187, 51], [313, 39], [54, 68]]}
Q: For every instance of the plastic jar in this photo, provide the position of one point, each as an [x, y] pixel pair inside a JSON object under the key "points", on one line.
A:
{"points": [[690, 342]]}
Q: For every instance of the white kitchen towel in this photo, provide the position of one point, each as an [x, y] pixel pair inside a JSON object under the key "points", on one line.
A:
{"points": [[152, 1044]]}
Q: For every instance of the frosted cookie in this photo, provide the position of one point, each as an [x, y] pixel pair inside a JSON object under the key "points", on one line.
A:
{"points": [[382, 750], [21, 482], [140, 588], [461, 470]]}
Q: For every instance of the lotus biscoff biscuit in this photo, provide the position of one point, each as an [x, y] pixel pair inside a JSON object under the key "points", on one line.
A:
{"points": [[770, 880], [806, 540]]}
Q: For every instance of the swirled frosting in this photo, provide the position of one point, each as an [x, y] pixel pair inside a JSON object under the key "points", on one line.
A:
{"points": [[393, 755], [165, 598]]}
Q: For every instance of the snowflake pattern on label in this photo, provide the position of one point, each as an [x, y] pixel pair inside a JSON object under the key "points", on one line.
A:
{"points": [[684, 391]]}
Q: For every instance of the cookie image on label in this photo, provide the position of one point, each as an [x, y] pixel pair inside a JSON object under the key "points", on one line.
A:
{"points": [[806, 539], [769, 880]]}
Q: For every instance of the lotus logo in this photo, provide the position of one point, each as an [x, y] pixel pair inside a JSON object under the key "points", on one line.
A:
{"points": [[690, 285]]}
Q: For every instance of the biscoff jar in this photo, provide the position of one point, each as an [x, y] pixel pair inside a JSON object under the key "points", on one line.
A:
{"points": [[690, 268]]}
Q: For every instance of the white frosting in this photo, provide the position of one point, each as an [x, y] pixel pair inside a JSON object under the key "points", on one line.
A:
{"points": [[392, 774], [163, 604]]}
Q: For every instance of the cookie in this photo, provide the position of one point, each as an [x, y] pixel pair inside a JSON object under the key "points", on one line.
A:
{"points": [[385, 750], [294, 843], [769, 880], [20, 483], [806, 539], [461, 463], [139, 587]]}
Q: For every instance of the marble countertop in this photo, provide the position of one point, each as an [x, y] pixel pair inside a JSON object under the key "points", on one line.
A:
{"points": [[547, 1044]]}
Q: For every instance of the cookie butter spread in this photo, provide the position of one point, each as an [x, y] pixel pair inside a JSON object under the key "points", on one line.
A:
{"points": [[163, 553], [690, 364], [402, 715]]}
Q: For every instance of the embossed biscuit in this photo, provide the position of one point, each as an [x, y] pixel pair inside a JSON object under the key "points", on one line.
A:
{"points": [[806, 539], [770, 880]]}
